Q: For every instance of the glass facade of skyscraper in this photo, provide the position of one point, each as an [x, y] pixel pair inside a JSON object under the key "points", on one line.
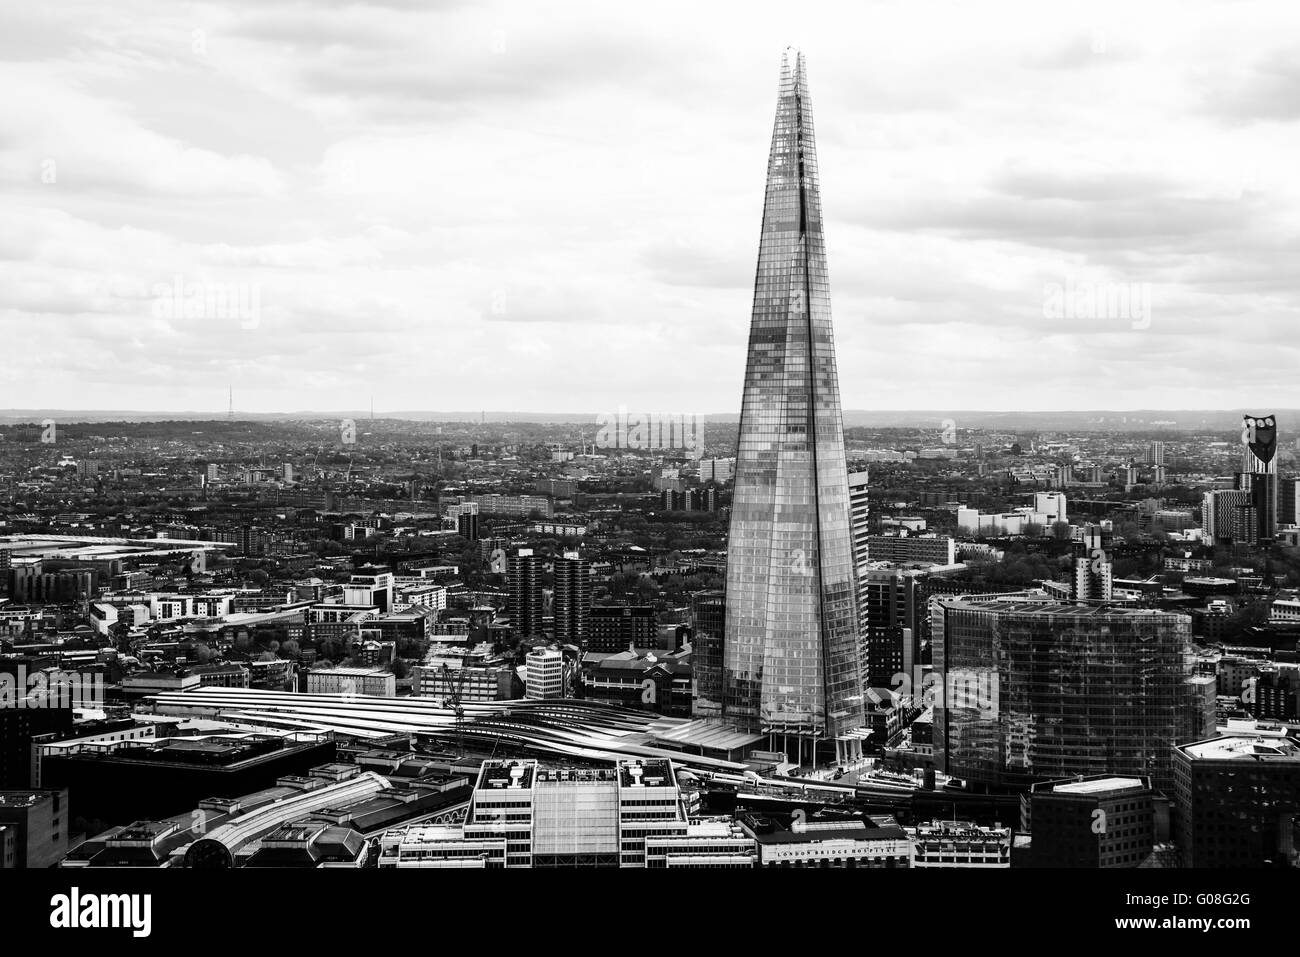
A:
{"points": [[791, 655], [1029, 691]]}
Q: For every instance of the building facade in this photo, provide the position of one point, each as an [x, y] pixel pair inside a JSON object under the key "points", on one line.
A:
{"points": [[791, 656], [572, 603], [1237, 801], [521, 814], [1035, 690]]}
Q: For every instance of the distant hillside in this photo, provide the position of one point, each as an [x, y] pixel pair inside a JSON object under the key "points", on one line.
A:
{"points": [[1134, 420]]}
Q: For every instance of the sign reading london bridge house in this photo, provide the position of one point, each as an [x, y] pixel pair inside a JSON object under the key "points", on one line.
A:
{"points": [[50, 688]]}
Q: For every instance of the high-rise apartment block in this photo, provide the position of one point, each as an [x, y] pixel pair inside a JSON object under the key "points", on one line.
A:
{"points": [[572, 601], [524, 582], [1258, 477]]}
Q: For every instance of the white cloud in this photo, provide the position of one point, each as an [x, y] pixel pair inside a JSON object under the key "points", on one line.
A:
{"points": [[556, 205]]}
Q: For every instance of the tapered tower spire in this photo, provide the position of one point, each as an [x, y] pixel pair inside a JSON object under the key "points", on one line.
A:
{"points": [[791, 662]]}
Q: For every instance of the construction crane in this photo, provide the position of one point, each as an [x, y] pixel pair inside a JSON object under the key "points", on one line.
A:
{"points": [[455, 686]]}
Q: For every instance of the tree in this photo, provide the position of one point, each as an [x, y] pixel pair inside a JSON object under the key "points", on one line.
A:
{"points": [[1251, 615]]}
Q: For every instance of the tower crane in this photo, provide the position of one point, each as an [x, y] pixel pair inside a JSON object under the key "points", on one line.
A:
{"points": [[455, 686]]}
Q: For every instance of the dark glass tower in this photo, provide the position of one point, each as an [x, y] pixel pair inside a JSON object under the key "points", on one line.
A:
{"points": [[791, 662], [1036, 690]]}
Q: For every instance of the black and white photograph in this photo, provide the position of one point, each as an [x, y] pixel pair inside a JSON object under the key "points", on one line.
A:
{"points": [[451, 436]]}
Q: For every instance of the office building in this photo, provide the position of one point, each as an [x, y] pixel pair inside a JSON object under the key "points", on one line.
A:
{"points": [[709, 622], [791, 656], [1201, 708], [1039, 690], [620, 627], [1237, 801], [352, 681], [444, 678], [717, 470], [1288, 503], [19, 727], [888, 609], [370, 589], [866, 841], [1276, 693], [960, 844], [546, 674], [894, 614], [1090, 821], [662, 685], [1051, 505], [522, 814], [39, 823], [905, 549]]}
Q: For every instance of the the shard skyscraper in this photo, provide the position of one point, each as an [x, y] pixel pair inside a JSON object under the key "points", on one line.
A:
{"points": [[790, 653]]}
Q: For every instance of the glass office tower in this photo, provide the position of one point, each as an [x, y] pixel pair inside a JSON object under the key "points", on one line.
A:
{"points": [[1036, 690], [790, 654]]}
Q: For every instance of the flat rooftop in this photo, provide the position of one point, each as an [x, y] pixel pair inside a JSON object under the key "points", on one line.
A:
{"points": [[501, 775], [23, 798], [1061, 609], [1239, 747], [834, 831], [577, 775], [645, 774], [1100, 786]]}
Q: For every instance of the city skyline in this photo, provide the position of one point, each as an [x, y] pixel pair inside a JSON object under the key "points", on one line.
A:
{"points": [[992, 568], [599, 220]]}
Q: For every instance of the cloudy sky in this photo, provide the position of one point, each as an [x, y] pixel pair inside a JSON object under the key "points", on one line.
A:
{"points": [[556, 205]]}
